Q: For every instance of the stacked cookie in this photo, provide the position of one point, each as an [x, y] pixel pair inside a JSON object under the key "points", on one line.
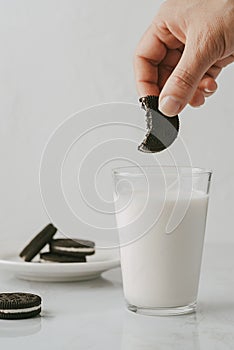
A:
{"points": [[68, 250], [60, 250]]}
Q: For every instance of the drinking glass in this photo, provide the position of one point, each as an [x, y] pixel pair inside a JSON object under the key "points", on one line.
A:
{"points": [[161, 217]]}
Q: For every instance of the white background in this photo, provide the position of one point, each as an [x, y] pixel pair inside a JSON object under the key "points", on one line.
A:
{"points": [[58, 57]]}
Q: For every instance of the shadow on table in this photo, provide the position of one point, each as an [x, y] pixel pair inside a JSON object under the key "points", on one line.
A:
{"points": [[19, 328]]}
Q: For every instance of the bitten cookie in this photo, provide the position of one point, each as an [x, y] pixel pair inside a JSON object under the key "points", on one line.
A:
{"points": [[19, 305], [71, 247], [59, 258], [161, 130], [38, 242]]}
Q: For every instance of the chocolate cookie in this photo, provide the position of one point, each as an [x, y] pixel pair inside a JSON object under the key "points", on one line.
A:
{"points": [[72, 247], [60, 258], [161, 130], [38, 242], [19, 305]]}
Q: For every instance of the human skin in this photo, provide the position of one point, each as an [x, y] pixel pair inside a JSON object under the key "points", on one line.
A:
{"points": [[183, 51]]}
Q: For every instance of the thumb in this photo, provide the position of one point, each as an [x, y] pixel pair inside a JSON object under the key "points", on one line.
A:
{"points": [[183, 82]]}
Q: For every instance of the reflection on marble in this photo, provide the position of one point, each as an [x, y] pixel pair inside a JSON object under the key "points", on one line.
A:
{"points": [[146, 332], [212, 327], [19, 328], [92, 314]]}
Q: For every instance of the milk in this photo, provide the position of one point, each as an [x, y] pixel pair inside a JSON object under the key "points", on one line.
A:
{"points": [[161, 269]]}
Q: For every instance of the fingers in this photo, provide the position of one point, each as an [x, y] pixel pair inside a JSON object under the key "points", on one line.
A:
{"points": [[182, 84], [167, 66], [198, 99], [178, 74], [206, 88], [225, 61], [208, 85], [150, 52]]}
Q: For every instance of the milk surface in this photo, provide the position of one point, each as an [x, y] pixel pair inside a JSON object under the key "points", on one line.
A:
{"points": [[161, 269]]}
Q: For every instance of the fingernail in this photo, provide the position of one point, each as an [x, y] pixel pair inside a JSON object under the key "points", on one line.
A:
{"points": [[209, 91], [169, 106]]}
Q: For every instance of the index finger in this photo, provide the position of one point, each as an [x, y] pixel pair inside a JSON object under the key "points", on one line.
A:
{"points": [[149, 53]]}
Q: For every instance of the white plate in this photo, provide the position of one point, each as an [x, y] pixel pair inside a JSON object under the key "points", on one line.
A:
{"points": [[96, 264]]}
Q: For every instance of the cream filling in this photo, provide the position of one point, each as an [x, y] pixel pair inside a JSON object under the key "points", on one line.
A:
{"points": [[16, 311], [75, 250]]}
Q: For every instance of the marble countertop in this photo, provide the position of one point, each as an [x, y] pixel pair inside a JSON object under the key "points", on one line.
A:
{"points": [[92, 314]]}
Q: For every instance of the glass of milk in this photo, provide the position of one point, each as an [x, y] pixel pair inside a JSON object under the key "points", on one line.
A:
{"points": [[161, 217]]}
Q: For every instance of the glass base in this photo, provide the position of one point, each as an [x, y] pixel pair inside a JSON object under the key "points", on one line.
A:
{"points": [[164, 311]]}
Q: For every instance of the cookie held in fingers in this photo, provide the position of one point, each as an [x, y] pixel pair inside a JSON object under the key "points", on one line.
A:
{"points": [[17, 305], [72, 246], [38, 242], [161, 130], [60, 258]]}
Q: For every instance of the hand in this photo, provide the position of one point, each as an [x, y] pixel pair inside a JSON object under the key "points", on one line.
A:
{"points": [[183, 51]]}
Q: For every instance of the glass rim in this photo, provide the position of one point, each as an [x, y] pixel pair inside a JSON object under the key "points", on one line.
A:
{"points": [[154, 170]]}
